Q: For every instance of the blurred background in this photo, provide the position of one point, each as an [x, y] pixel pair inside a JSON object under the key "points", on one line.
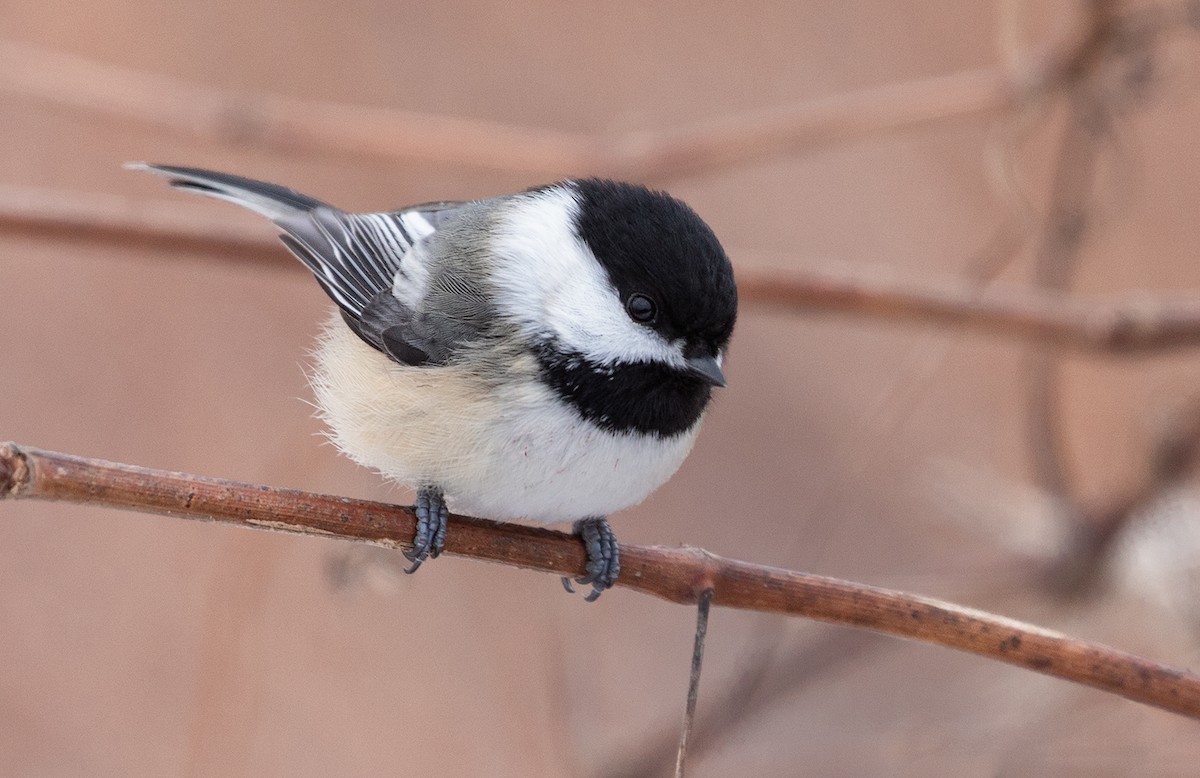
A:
{"points": [[931, 143]]}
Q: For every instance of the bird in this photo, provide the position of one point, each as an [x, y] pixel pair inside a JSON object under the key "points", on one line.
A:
{"points": [[545, 356]]}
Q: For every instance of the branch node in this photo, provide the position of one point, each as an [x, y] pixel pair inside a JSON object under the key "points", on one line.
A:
{"points": [[708, 569], [14, 470]]}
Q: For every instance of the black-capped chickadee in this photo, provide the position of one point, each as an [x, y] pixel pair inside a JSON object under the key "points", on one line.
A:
{"points": [[546, 355]]}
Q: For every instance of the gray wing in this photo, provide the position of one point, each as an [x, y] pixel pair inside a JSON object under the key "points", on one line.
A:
{"points": [[359, 258]]}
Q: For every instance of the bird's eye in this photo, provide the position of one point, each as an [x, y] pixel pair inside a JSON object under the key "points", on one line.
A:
{"points": [[641, 308]]}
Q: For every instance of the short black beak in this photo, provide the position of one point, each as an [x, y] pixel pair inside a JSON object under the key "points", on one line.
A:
{"points": [[707, 369]]}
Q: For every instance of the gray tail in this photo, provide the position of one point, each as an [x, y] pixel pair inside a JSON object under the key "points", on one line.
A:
{"points": [[270, 200], [354, 257]]}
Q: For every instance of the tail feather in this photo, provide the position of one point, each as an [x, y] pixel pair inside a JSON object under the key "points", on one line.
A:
{"points": [[353, 256], [270, 200]]}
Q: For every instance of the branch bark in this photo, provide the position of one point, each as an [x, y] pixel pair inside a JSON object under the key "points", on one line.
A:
{"points": [[675, 574]]}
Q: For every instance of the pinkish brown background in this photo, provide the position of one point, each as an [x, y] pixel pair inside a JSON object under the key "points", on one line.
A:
{"points": [[138, 645]]}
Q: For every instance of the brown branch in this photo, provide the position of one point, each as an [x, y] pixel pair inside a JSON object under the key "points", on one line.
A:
{"points": [[283, 123], [689, 713], [1057, 260], [819, 123], [126, 222], [1055, 263], [675, 574], [291, 124], [814, 124], [1136, 325]]}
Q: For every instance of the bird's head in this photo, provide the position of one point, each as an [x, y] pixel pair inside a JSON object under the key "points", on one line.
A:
{"points": [[625, 290]]}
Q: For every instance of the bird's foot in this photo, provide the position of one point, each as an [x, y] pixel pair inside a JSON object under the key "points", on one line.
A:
{"points": [[603, 557], [430, 538]]}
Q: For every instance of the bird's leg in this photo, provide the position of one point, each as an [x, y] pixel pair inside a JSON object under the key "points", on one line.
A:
{"points": [[603, 556], [430, 537]]}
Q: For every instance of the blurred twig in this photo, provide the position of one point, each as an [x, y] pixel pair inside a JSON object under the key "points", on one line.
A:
{"points": [[762, 680], [293, 124], [1094, 101], [689, 713], [1056, 259], [675, 574], [1062, 237], [123, 221], [280, 122], [1136, 325]]}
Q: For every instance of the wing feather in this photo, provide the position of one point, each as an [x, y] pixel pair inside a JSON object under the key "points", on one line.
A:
{"points": [[356, 258]]}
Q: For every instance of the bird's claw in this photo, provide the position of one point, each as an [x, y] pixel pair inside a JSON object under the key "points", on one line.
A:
{"points": [[603, 557], [430, 537]]}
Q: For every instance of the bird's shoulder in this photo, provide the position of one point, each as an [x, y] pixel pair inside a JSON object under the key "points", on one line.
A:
{"points": [[435, 300]]}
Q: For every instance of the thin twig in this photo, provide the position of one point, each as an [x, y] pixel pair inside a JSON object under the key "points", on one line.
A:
{"points": [[820, 123], [292, 124], [761, 681], [113, 220], [1136, 325], [675, 574], [283, 123], [1055, 262], [693, 693], [1057, 257]]}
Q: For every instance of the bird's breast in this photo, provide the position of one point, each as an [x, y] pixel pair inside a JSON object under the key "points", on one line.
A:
{"points": [[501, 449]]}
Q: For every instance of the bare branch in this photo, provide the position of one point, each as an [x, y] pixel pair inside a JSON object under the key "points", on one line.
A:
{"points": [[820, 123], [122, 221], [676, 574], [1059, 250], [291, 124], [693, 694], [1137, 325], [283, 123], [761, 681], [1055, 263]]}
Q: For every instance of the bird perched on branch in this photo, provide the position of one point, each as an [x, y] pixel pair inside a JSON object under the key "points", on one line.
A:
{"points": [[546, 355]]}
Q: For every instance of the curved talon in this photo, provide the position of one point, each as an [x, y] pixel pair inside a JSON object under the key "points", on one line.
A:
{"points": [[430, 536], [566, 582], [603, 557]]}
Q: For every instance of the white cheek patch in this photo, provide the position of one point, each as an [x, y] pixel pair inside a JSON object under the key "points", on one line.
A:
{"points": [[549, 282]]}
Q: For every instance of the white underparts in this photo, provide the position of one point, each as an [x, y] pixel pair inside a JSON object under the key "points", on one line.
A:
{"points": [[507, 450]]}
